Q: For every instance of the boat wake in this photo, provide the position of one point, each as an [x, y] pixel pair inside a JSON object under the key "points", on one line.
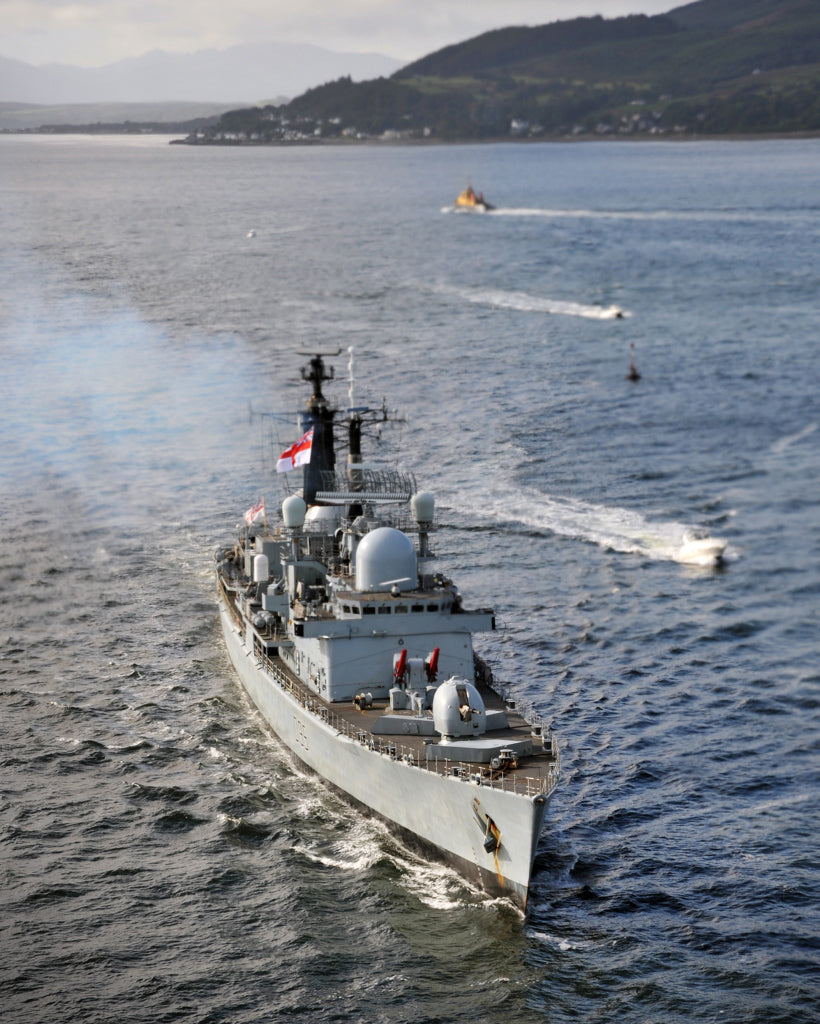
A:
{"points": [[524, 211], [614, 529], [786, 442], [526, 303], [694, 215], [468, 211]]}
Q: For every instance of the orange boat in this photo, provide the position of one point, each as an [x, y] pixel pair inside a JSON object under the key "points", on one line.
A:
{"points": [[470, 200]]}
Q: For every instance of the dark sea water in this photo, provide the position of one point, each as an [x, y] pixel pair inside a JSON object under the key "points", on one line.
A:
{"points": [[162, 857]]}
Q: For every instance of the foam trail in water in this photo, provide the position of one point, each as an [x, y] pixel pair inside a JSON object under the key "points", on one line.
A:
{"points": [[343, 856], [434, 885], [526, 303], [696, 216], [785, 442], [369, 841], [552, 941], [613, 528]]}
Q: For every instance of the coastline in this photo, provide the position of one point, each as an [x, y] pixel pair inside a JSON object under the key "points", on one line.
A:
{"points": [[503, 139]]}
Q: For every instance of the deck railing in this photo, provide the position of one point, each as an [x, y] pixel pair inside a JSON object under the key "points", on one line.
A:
{"points": [[515, 782]]}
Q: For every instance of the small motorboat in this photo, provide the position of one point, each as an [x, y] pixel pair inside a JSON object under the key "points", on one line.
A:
{"points": [[471, 200], [698, 548]]}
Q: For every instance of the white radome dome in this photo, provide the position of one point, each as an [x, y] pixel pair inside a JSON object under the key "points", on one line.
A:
{"points": [[423, 505], [386, 558], [294, 510]]}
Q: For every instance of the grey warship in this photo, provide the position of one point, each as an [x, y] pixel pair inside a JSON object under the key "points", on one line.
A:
{"points": [[359, 656]]}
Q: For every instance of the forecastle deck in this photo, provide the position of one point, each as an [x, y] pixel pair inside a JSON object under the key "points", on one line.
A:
{"points": [[408, 735]]}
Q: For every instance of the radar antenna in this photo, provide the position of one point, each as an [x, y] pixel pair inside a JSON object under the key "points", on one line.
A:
{"points": [[316, 374]]}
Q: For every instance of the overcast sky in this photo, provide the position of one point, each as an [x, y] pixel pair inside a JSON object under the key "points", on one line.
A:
{"points": [[91, 33]]}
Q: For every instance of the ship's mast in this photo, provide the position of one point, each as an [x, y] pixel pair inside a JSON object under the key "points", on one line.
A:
{"points": [[319, 416], [354, 434], [321, 485]]}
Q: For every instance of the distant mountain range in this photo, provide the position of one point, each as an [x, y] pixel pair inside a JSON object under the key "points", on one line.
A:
{"points": [[222, 79], [712, 67]]}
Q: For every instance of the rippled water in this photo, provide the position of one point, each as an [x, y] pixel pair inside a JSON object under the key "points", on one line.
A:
{"points": [[163, 859]]}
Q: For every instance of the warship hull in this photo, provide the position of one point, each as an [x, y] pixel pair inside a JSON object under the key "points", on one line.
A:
{"points": [[359, 656], [445, 812]]}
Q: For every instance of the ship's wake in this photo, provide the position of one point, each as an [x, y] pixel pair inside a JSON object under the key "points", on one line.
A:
{"points": [[524, 302], [779, 447], [581, 213], [612, 528]]}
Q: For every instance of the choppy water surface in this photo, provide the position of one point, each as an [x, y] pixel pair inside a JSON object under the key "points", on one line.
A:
{"points": [[163, 859]]}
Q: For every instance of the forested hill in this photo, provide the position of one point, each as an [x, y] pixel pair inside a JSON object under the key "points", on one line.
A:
{"points": [[712, 67], [533, 50]]}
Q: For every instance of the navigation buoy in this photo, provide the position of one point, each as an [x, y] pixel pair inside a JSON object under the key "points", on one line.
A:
{"points": [[633, 369]]}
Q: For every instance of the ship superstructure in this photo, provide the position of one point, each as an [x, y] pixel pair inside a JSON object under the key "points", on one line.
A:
{"points": [[359, 655]]}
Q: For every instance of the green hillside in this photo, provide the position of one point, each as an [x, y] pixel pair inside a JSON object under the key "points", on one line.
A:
{"points": [[711, 67]]}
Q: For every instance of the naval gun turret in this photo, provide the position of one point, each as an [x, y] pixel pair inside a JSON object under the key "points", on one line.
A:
{"points": [[458, 710], [468, 732]]}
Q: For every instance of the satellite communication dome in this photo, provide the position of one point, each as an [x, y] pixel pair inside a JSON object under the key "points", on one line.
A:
{"points": [[386, 558], [423, 505], [294, 510]]}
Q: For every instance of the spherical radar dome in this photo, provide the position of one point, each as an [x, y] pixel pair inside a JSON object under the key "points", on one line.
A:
{"points": [[386, 558], [294, 510]]}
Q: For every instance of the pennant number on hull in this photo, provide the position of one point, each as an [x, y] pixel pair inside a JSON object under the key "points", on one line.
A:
{"points": [[300, 733]]}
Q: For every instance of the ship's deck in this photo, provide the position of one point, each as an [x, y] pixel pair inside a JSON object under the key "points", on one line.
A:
{"points": [[535, 773]]}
